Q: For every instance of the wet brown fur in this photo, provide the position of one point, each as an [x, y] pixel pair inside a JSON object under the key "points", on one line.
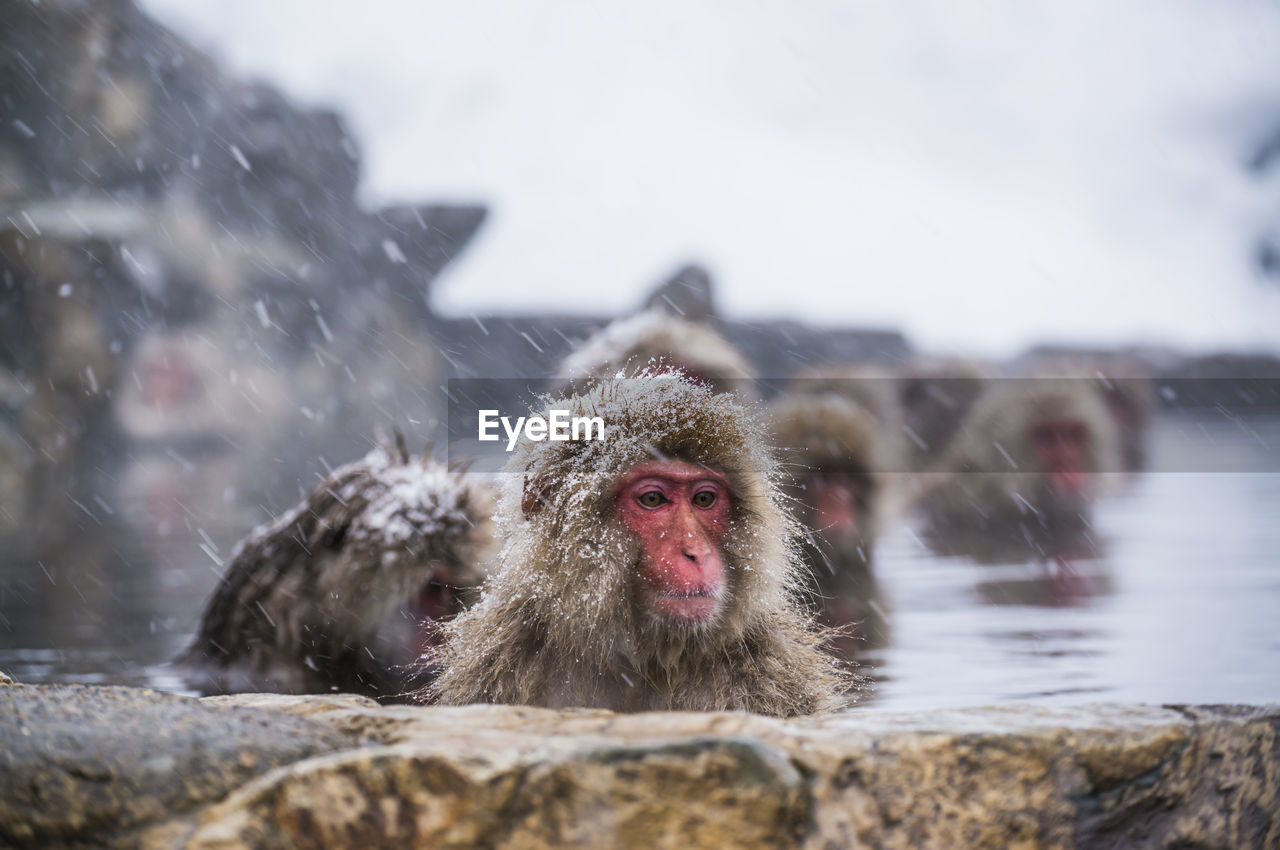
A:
{"points": [[559, 623], [317, 601]]}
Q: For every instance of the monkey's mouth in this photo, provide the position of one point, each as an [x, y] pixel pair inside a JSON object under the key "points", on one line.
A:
{"points": [[1069, 480], [687, 606], [435, 601]]}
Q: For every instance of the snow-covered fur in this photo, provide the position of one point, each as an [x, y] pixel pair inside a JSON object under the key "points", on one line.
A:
{"points": [[649, 341], [559, 623], [321, 599], [988, 491]]}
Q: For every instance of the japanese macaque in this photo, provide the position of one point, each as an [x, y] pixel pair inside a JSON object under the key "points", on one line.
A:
{"points": [[653, 342], [1126, 387], [934, 397], [1021, 476], [202, 423], [871, 388], [1131, 398], [654, 569], [342, 593], [838, 452], [185, 389]]}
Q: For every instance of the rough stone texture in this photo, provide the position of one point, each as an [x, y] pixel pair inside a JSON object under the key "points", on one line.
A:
{"points": [[1013, 776], [1098, 776], [80, 762], [701, 792]]}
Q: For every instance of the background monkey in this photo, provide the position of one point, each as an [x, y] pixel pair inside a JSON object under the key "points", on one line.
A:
{"points": [[653, 340], [838, 453], [333, 595], [935, 396], [1021, 475]]}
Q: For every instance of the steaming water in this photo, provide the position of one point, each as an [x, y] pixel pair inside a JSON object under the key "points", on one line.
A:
{"points": [[1184, 606]]}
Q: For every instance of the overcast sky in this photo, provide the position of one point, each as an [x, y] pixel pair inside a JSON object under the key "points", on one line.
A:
{"points": [[982, 176]]}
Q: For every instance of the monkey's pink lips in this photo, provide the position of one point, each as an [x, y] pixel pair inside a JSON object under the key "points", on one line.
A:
{"points": [[692, 606]]}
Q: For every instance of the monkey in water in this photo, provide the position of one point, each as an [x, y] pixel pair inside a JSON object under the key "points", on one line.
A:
{"points": [[1022, 473], [934, 396], [654, 341], [340, 593], [653, 569], [836, 432]]}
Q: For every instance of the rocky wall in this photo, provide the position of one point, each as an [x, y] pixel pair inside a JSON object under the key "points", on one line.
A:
{"points": [[95, 766]]}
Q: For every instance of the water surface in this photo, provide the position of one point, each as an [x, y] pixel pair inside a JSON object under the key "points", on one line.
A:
{"points": [[1184, 605]]}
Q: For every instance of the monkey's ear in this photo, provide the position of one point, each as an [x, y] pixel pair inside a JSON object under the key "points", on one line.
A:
{"points": [[536, 495]]}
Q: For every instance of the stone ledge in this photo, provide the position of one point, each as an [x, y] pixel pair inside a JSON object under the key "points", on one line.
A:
{"points": [[81, 762], [339, 771]]}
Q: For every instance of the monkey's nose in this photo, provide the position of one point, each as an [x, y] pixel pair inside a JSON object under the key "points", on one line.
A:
{"points": [[695, 549]]}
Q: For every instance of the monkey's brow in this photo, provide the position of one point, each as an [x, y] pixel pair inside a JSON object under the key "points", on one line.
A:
{"points": [[700, 476]]}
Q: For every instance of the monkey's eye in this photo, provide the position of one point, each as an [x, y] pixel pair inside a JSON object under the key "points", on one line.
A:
{"points": [[704, 499], [650, 499]]}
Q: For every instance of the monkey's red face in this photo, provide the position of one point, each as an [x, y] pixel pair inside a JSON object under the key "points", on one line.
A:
{"points": [[1062, 447], [835, 499], [168, 379], [679, 512]]}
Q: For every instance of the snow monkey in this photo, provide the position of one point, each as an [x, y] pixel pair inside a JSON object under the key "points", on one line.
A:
{"points": [[935, 395], [654, 341], [1126, 388], [650, 570], [1131, 398], [334, 594], [836, 432], [1022, 473]]}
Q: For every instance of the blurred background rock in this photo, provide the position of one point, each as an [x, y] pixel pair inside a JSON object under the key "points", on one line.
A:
{"points": [[195, 313]]}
